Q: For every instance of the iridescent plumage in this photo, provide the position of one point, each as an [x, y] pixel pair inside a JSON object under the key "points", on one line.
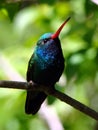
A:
{"points": [[45, 68]]}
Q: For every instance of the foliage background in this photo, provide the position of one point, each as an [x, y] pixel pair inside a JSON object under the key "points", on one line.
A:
{"points": [[21, 24]]}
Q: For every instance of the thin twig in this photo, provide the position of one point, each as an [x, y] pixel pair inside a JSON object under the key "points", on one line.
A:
{"points": [[51, 91]]}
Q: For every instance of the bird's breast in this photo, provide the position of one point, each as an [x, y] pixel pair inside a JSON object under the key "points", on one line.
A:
{"points": [[48, 65], [48, 55], [47, 58]]}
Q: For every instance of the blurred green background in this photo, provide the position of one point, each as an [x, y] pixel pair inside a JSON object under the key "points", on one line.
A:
{"points": [[21, 25]]}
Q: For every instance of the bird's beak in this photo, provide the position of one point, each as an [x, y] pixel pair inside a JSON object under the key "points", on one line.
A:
{"points": [[56, 34]]}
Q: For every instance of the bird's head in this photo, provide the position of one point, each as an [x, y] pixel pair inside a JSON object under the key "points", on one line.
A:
{"points": [[49, 37]]}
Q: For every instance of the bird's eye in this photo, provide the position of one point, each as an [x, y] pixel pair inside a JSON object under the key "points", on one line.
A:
{"points": [[44, 41]]}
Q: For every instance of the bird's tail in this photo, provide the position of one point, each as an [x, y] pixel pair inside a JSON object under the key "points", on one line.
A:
{"points": [[33, 101]]}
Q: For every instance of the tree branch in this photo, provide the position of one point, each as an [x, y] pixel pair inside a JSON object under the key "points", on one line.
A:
{"points": [[51, 91]]}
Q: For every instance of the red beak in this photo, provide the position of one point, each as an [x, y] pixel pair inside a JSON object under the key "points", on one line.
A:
{"points": [[56, 34]]}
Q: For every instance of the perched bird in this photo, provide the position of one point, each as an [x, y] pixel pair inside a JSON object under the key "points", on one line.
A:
{"points": [[45, 68]]}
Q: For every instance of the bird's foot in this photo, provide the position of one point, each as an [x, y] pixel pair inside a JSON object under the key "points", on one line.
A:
{"points": [[30, 82]]}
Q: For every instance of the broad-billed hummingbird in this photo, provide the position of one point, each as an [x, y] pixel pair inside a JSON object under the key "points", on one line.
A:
{"points": [[45, 68]]}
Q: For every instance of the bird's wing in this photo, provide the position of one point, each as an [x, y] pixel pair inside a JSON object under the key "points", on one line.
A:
{"points": [[30, 69]]}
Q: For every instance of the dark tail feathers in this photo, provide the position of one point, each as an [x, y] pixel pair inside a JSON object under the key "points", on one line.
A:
{"points": [[33, 101]]}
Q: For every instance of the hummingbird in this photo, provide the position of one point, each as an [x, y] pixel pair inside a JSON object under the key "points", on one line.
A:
{"points": [[45, 67]]}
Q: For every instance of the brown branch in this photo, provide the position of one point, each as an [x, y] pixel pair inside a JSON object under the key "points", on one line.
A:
{"points": [[51, 91]]}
